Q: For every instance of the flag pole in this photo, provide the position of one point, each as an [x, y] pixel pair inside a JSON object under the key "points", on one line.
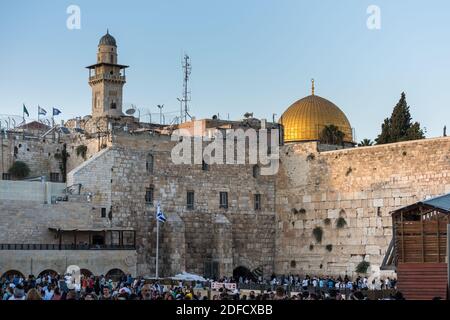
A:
{"points": [[53, 125], [157, 246]]}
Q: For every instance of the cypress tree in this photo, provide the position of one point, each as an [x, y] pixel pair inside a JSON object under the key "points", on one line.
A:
{"points": [[385, 135], [399, 127]]}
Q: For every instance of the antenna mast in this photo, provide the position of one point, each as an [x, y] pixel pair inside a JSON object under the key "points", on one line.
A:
{"points": [[187, 68]]}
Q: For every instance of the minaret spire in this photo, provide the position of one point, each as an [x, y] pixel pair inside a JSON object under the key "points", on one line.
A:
{"points": [[313, 88]]}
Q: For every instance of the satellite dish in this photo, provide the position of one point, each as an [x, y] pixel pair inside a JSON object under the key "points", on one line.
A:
{"points": [[130, 111]]}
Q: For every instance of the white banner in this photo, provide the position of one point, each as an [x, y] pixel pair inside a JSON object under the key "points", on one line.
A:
{"points": [[218, 285]]}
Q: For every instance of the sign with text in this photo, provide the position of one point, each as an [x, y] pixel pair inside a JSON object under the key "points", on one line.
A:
{"points": [[218, 285]]}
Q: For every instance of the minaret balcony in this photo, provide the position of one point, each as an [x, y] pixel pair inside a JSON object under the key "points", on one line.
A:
{"points": [[106, 76]]}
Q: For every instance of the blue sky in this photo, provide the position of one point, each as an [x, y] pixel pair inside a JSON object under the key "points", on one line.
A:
{"points": [[249, 55]]}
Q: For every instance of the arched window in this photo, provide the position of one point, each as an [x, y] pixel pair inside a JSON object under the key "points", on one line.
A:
{"points": [[149, 163], [113, 105]]}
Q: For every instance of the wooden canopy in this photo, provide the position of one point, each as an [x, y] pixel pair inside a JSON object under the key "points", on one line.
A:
{"points": [[420, 231]]}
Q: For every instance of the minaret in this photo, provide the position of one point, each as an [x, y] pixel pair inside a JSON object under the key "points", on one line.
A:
{"points": [[106, 79]]}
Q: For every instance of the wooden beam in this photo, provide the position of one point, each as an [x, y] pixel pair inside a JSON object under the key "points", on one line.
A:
{"points": [[423, 240], [439, 241], [403, 241], [448, 255]]}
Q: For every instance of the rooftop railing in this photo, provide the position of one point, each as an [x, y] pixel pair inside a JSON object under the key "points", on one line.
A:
{"points": [[53, 246]]}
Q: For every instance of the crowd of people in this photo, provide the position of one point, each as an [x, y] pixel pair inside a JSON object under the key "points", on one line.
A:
{"points": [[57, 287], [322, 282]]}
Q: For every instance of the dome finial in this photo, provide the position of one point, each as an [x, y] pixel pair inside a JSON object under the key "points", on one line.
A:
{"points": [[107, 30], [313, 88]]}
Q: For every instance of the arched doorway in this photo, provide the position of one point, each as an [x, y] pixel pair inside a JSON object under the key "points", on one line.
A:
{"points": [[115, 274], [243, 272], [11, 273], [48, 272], [86, 273]]}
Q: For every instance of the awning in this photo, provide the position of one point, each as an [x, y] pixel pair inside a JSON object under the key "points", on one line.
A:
{"points": [[440, 203]]}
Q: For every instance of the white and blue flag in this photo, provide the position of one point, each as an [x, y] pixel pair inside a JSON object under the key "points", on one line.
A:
{"points": [[160, 215], [41, 111]]}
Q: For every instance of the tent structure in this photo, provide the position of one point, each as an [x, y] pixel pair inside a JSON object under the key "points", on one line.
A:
{"points": [[184, 276], [420, 248]]}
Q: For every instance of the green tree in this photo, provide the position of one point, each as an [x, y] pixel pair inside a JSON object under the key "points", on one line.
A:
{"points": [[19, 170], [365, 143], [385, 135], [81, 151], [331, 135], [63, 157], [362, 267], [399, 126]]}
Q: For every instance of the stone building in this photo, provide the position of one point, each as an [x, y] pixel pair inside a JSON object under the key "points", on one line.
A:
{"points": [[220, 217]]}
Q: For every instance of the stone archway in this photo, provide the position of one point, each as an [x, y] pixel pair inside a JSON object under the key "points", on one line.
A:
{"points": [[86, 273], [243, 272], [115, 274], [47, 272], [11, 273]]}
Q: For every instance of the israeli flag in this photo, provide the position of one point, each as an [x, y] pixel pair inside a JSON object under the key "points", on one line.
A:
{"points": [[41, 111], [160, 215]]}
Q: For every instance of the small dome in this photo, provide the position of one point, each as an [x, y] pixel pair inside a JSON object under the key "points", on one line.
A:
{"points": [[107, 40], [305, 119]]}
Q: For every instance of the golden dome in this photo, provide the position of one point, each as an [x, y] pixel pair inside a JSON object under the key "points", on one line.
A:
{"points": [[306, 118]]}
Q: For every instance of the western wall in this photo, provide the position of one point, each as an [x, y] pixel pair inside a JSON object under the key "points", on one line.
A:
{"points": [[191, 239], [361, 185]]}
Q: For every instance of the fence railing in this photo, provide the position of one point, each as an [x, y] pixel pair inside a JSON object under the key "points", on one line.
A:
{"points": [[372, 294], [41, 246], [74, 189]]}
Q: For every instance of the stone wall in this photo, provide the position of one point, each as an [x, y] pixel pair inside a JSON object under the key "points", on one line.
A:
{"points": [[361, 185], [39, 155], [96, 261], [95, 176], [27, 222], [30, 190], [238, 236]]}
